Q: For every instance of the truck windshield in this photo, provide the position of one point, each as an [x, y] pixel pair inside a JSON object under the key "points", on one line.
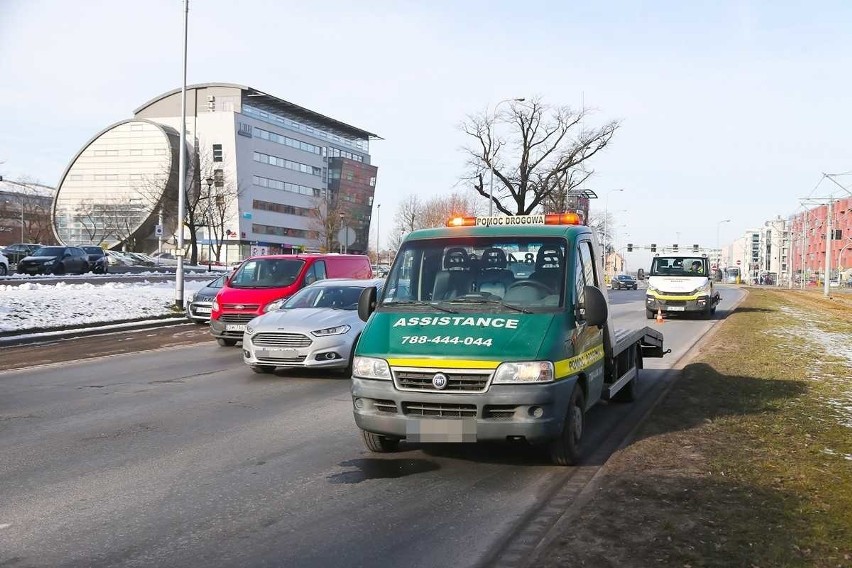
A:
{"points": [[519, 273], [679, 266], [266, 273]]}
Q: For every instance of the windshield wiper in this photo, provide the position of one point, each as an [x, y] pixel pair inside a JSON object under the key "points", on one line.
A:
{"points": [[419, 303], [490, 299]]}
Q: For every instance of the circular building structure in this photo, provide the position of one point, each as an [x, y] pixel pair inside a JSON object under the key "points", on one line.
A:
{"points": [[113, 190]]}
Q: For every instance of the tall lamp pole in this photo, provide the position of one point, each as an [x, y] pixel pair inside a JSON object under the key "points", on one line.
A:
{"points": [[209, 181], [491, 183], [719, 250], [378, 234], [605, 235], [182, 167]]}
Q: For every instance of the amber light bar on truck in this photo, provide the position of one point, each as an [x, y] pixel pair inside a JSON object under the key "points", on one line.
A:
{"points": [[515, 220]]}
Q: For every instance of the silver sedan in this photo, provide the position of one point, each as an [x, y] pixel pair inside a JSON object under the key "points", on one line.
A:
{"points": [[316, 328]]}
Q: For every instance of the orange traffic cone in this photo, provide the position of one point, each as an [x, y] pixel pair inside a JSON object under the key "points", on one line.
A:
{"points": [[659, 316]]}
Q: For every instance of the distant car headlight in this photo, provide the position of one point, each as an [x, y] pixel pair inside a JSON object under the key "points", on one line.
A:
{"points": [[49, 262], [272, 306], [336, 330], [371, 368], [524, 372]]}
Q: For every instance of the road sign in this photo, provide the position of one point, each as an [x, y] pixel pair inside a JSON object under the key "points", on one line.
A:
{"points": [[346, 236], [158, 230]]}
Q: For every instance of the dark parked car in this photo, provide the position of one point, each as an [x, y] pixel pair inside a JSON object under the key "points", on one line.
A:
{"points": [[18, 251], [198, 309], [97, 259], [55, 260], [623, 282]]}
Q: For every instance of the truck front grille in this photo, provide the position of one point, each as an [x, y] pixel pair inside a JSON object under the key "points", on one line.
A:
{"points": [[439, 410], [457, 380]]}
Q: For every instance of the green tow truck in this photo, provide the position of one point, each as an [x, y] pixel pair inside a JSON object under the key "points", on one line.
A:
{"points": [[493, 328]]}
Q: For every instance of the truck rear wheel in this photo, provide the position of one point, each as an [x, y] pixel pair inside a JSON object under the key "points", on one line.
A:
{"points": [[566, 449], [378, 443]]}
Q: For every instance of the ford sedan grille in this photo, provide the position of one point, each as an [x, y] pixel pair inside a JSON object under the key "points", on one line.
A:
{"points": [[293, 340]]}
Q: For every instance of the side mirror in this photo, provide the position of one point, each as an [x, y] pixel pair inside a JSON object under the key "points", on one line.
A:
{"points": [[597, 311], [367, 302]]}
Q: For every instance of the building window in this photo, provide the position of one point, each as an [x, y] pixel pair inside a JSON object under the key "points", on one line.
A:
{"points": [[218, 178], [245, 129], [217, 152]]}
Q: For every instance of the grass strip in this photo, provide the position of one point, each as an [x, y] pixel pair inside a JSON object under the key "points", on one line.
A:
{"points": [[748, 460]]}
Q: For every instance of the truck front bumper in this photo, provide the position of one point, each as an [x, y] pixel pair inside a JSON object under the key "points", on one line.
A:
{"points": [[678, 304], [534, 412]]}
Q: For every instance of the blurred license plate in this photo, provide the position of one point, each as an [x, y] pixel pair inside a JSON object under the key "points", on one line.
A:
{"points": [[441, 430], [277, 353], [202, 310], [235, 327], [676, 309]]}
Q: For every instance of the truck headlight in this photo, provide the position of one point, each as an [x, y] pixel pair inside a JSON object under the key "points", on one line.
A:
{"points": [[524, 372], [652, 290], [336, 330], [371, 368], [702, 290]]}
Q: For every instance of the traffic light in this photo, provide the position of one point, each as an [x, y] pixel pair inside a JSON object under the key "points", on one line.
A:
{"points": [[674, 247], [653, 247], [629, 247], [694, 248]]}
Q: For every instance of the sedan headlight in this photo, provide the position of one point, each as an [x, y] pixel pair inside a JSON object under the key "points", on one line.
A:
{"points": [[371, 368], [249, 329], [215, 305], [272, 306], [49, 262], [336, 330], [524, 372]]}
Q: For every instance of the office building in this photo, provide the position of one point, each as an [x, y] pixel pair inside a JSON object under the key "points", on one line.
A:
{"points": [[264, 175]]}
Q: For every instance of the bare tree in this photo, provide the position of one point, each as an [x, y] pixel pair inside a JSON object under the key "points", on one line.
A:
{"points": [[328, 217], [539, 161], [414, 214]]}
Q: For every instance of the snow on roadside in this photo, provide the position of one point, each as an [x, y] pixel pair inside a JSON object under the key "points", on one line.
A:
{"points": [[33, 305]]}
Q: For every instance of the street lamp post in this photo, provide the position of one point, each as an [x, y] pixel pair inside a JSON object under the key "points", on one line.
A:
{"points": [[719, 250], [209, 181], [605, 236], [491, 182], [341, 234], [378, 234]]}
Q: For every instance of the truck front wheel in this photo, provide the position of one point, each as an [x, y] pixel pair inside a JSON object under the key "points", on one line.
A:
{"points": [[378, 443], [566, 449]]}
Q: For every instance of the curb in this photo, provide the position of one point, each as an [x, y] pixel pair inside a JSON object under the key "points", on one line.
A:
{"points": [[45, 336]]}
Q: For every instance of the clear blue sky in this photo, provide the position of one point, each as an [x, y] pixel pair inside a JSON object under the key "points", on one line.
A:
{"points": [[730, 109]]}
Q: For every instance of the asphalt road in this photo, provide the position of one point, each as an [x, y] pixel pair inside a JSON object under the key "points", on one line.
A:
{"points": [[179, 455]]}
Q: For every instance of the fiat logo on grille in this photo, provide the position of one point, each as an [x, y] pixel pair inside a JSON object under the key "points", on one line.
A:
{"points": [[439, 381]]}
